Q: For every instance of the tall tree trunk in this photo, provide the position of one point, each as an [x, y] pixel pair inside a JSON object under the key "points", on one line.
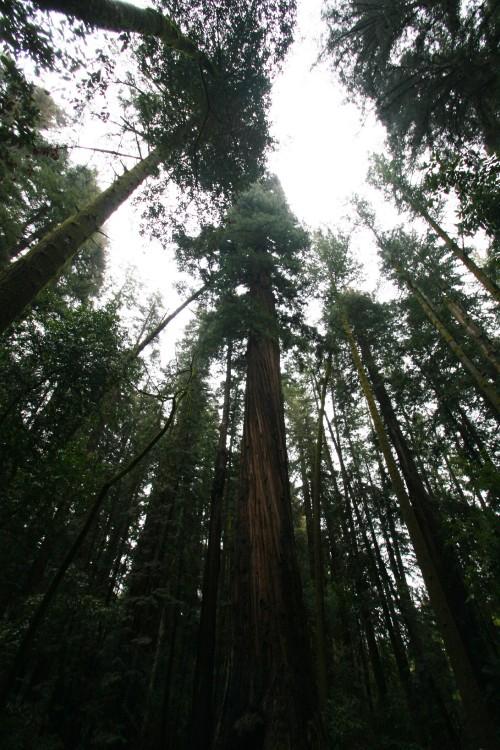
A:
{"points": [[118, 16], [306, 495], [459, 630], [270, 703], [10, 676], [357, 571], [453, 246], [485, 346], [487, 391], [203, 693], [319, 582], [25, 278], [342, 572]]}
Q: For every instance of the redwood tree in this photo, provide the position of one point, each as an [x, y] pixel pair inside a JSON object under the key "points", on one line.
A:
{"points": [[271, 697]]}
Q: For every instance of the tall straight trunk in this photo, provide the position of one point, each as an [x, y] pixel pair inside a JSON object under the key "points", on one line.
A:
{"points": [[475, 631], [338, 567], [454, 247], [270, 702], [378, 573], [118, 16], [381, 581], [487, 391], [203, 693], [25, 278], [319, 582], [421, 704], [360, 582], [363, 593], [306, 494], [160, 678], [457, 624]]}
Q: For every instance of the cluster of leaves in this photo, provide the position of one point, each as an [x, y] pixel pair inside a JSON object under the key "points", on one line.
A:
{"points": [[214, 127], [431, 69]]}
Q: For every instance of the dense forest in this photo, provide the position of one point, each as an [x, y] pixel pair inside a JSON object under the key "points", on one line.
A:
{"points": [[283, 532]]}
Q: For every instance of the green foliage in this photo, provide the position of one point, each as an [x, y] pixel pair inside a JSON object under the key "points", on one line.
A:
{"points": [[258, 237], [476, 182], [24, 37], [112, 664], [216, 125], [431, 69]]}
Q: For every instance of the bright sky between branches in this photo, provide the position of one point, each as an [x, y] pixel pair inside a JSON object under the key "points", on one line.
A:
{"points": [[321, 159]]}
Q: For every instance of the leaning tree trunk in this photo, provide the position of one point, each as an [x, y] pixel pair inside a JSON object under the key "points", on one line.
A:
{"points": [[453, 611], [484, 388], [271, 701], [459, 253], [23, 280], [486, 347], [11, 674], [114, 15]]}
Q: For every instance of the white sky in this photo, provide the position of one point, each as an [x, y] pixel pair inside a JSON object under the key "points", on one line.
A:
{"points": [[321, 159]]}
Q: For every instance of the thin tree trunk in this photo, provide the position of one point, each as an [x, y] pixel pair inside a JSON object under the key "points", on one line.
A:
{"points": [[144, 342], [306, 496], [457, 641], [487, 391], [25, 278], [9, 679], [485, 346], [457, 251], [319, 583], [360, 583], [203, 693]]}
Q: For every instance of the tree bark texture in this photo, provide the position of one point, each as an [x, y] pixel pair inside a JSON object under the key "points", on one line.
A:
{"points": [[117, 16], [25, 278], [271, 701], [457, 622]]}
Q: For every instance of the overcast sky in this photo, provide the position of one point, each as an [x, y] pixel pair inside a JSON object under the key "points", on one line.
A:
{"points": [[321, 159]]}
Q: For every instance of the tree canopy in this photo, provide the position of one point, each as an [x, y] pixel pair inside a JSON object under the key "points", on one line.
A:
{"points": [[280, 532]]}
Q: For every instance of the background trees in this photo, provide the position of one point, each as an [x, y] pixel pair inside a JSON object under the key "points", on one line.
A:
{"points": [[284, 534]]}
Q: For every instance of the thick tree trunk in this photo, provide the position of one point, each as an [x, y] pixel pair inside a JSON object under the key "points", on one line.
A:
{"points": [[25, 278], [202, 710], [271, 702], [114, 15]]}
